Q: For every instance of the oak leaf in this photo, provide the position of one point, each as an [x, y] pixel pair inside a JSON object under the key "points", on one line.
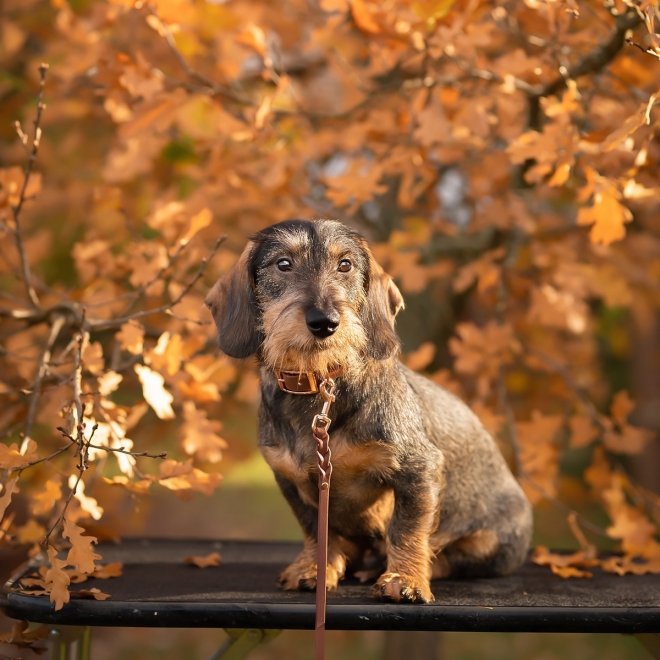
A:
{"points": [[570, 565], [88, 504], [42, 501], [154, 392], [91, 594], [483, 351], [421, 357], [131, 337], [81, 554], [539, 455], [583, 431], [607, 216], [198, 222], [365, 15], [200, 434], [8, 490], [57, 580], [111, 570], [183, 478], [203, 561], [12, 457], [633, 122], [31, 532]]}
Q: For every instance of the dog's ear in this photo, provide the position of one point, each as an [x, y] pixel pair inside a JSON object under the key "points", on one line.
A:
{"points": [[232, 303], [384, 302]]}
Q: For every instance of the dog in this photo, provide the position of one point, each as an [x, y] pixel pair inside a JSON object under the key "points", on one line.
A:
{"points": [[420, 490]]}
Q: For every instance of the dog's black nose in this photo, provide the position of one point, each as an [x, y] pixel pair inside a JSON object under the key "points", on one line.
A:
{"points": [[321, 324]]}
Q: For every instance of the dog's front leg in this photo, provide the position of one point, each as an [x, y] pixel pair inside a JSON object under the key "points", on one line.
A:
{"points": [[409, 554], [301, 574]]}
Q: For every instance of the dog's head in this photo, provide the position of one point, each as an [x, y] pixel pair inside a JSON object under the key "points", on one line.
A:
{"points": [[306, 296]]}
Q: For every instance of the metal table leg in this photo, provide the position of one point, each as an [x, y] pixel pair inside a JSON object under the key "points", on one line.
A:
{"points": [[241, 641]]}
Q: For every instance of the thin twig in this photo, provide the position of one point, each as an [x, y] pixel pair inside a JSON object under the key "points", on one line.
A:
{"points": [[56, 453], [27, 173], [67, 502], [82, 339], [44, 365], [118, 450], [121, 450]]}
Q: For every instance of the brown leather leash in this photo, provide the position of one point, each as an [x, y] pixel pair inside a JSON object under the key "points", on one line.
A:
{"points": [[320, 425]]}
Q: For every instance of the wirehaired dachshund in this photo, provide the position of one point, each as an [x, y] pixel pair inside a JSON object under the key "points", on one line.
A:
{"points": [[420, 490]]}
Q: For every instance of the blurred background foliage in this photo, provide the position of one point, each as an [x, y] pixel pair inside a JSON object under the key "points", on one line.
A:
{"points": [[502, 158]]}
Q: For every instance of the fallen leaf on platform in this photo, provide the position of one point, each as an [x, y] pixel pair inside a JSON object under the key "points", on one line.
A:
{"points": [[90, 594], [105, 571], [203, 561]]}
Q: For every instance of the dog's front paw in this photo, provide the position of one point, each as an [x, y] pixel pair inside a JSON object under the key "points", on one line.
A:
{"points": [[301, 575], [403, 588]]}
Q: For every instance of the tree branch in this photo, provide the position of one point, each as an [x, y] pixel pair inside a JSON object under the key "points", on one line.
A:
{"points": [[44, 364], [592, 62], [27, 173]]}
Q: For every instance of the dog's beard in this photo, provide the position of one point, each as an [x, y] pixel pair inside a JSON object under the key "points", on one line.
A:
{"points": [[289, 345]]}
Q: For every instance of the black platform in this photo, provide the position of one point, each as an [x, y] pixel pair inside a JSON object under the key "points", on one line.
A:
{"points": [[157, 589]]}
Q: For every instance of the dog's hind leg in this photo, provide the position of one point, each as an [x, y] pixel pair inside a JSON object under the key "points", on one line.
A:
{"points": [[487, 552]]}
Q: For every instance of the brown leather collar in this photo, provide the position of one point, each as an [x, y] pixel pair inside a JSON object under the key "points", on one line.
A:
{"points": [[302, 382]]}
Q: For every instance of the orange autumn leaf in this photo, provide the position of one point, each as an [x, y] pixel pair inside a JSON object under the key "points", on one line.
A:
{"points": [[42, 501], [89, 594], [167, 355], [31, 532], [570, 572], [198, 222], [627, 440], [200, 434], [81, 554], [131, 337], [481, 352], [56, 580], [12, 457], [607, 216], [105, 571], [92, 357], [24, 634], [583, 431], [571, 565], [203, 561], [154, 392], [360, 181], [624, 438], [183, 478], [622, 406], [8, 489], [421, 357], [365, 16], [539, 455], [632, 565]]}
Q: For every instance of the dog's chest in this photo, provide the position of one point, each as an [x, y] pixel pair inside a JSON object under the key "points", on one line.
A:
{"points": [[360, 471]]}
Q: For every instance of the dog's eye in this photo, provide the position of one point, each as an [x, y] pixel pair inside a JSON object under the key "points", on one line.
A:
{"points": [[284, 265], [344, 266]]}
